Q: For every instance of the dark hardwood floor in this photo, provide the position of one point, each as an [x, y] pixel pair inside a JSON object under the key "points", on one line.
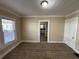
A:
{"points": [[41, 51]]}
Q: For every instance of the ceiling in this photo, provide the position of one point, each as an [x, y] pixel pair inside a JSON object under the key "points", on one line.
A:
{"points": [[33, 7]]}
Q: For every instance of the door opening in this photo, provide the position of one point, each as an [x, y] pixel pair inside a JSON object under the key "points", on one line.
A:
{"points": [[43, 31]]}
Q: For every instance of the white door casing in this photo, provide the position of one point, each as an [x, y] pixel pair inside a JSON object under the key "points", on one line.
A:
{"points": [[39, 28]]}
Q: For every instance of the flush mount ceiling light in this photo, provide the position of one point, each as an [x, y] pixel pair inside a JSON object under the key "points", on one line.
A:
{"points": [[44, 3]]}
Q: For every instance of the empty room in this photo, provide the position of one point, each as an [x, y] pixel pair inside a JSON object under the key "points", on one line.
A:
{"points": [[39, 29]]}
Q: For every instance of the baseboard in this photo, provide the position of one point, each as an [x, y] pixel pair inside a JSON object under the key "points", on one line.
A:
{"points": [[55, 42], [1, 56], [39, 41], [76, 51], [72, 48], [30, 41]]}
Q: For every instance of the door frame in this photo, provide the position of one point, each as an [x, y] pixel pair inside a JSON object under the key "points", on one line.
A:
{"points": [[48, 29]]}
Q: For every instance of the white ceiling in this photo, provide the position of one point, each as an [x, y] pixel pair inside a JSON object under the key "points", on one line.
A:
{"points": [[33, 8]]}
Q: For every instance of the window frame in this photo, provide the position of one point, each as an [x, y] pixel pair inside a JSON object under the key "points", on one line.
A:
{"points": [[2, 34], [14, 31]]}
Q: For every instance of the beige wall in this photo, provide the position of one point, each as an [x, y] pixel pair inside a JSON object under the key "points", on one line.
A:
{"points": [[30, 28], [7, 14], [4, 14]]}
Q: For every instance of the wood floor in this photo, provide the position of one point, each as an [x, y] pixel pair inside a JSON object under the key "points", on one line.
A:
{"points": [[41, 51]]}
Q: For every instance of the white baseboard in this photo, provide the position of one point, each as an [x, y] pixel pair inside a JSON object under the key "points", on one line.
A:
{"points": [[39, 41], [30, 41], [1, 56], [76, 51], [55, 42], [72, 48]]}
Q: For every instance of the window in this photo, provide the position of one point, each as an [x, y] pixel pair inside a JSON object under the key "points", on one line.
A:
{"points": [[8, 27]]}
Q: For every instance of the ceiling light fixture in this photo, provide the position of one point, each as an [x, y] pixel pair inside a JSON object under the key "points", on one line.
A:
{"points": [[44, 3]]}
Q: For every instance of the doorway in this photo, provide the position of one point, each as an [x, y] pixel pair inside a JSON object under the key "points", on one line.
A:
{"points": [[44, 31]]}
